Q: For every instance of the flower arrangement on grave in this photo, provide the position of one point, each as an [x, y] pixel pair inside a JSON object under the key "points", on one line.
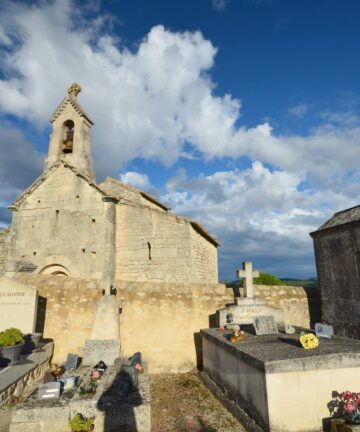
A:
{"points": [[347, 406], [10, 337], [237, 336], [88, 388], [79, 423], [56, 370], [309, 340]]}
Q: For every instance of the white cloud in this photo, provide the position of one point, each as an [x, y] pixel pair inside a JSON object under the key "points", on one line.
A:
{"points": [[219, 5], [150, 102], [299, 110], [258, 215], [157, 102], [136, 179]]}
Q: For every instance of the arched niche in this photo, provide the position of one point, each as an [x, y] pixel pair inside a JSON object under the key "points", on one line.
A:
{"points": [[55, 269], [67, 144]]}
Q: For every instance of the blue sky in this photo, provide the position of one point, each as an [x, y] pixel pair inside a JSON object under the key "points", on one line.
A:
{"points": [[243, 114]]}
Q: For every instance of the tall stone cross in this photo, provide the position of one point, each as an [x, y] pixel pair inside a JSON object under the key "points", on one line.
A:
{"points": [[248, 274]]}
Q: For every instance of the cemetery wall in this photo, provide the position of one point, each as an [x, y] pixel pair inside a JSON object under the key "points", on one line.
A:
{"points": [[152, 245], [294, 301], [3, 236], [161, 320], [338, 268], [60, 226]]}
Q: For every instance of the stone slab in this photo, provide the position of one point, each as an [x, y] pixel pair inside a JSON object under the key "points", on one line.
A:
{"points": [[18, 305], [96, 350], [258, 372], [324, 331], [265, 325], [48, 391], [283, 353], [244, 312]]}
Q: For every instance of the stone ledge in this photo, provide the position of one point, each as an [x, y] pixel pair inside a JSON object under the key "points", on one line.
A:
{"points": [[279, 353], [18, 379]]}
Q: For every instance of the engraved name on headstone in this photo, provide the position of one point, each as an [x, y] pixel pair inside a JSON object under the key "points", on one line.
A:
{"points": [[71, 362], [324, 330], [265, 325], [18, 305], [49, 391]]}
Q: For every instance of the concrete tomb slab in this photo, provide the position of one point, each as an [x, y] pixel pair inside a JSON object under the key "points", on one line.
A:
{"points": [[270, 377], [18, 305], [324, 331], [265, 325]]}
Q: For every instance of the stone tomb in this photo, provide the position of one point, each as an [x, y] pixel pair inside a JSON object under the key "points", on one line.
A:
{"points": [[275, 382], [18, 305], [112, 409], [247, 308]]}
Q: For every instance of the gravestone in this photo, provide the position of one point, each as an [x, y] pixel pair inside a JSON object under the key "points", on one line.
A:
{"points": [[249, 307], [265, 325], [18, 305], [323, 331], [49, 391], [71, 362]]}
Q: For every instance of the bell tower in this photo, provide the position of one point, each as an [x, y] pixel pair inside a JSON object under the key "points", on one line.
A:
{"points": [[71, 137]]}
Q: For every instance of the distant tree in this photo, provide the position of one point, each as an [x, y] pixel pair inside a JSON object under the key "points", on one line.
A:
{"points": [[268, 279]]}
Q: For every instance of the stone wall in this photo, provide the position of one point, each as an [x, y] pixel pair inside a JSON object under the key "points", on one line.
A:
{"points": [[337, 252], [60, 227], [161, 320], [156, 246], [3, 237], [300, 308], [158, 319], [204, 258]]}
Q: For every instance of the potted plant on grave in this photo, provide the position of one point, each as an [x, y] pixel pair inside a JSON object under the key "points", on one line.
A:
{"points": [[79, 423], [11, 344], [346, 405]]}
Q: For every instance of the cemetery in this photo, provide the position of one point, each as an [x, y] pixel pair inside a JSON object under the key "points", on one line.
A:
{"points": [[103, 288]]}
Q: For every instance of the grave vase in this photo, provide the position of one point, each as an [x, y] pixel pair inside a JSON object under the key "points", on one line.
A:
{"points": [[10, 354]]}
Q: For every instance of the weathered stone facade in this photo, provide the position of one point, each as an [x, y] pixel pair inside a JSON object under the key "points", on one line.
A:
{"points": [[3, 249], [337, 253], [65, 223]]}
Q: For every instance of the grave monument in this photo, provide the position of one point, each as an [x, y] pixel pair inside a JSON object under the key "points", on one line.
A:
{"points": [[18, 305], [247, 308]]}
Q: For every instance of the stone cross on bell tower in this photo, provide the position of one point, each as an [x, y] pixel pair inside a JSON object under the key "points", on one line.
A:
{"points": [[71, 136], [248, 274]]}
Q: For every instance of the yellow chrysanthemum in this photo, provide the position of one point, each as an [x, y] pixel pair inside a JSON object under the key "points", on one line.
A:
{"points": [[309, 341]]}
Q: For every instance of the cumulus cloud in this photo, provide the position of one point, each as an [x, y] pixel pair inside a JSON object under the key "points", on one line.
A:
{"points": [[157, 102], [219, 5], [136, 179], [258, 214]]}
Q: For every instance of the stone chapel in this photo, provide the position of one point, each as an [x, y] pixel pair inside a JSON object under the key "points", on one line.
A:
{"points": [[67, 224], [76, 241]]}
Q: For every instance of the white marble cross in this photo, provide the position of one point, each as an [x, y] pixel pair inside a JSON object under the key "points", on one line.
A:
{"points": [[248, 274]]}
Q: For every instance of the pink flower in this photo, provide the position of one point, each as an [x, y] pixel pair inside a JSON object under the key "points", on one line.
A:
{"points": [[96, 375], [350, 407], [346, 395], [357, 398]]}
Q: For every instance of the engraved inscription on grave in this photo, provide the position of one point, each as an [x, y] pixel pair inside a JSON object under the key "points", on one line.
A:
{"points": [[265, 325], [49, 391]]}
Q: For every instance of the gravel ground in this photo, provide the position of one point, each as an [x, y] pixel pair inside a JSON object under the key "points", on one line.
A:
{"points": [[181, 402]]}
